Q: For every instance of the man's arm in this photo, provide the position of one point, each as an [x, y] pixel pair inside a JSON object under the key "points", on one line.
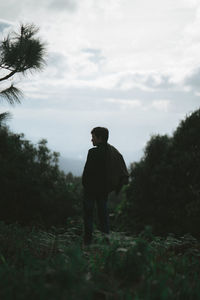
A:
{"points": [[89, 169]]}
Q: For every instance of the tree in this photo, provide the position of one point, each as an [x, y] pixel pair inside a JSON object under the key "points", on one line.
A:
{"points": [[20, 53], [164, 191], [32, 188]]}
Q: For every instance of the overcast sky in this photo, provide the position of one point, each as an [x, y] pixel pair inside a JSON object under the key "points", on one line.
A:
{"points": [[130, 65]]}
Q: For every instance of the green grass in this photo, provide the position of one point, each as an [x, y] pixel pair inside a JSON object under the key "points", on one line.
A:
{"points": [[35, 264]]}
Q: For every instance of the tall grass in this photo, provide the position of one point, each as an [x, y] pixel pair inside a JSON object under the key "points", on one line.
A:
{"points": [[53, 265]]}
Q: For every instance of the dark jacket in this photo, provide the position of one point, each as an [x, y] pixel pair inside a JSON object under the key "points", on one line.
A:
{"points": [[93, 178], [116, 171], [105, 170]]}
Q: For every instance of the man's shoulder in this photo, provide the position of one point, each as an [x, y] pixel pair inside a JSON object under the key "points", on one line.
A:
{"points": [[96, 149], [92, 150], [113, 150], [111, 147], [96, 152]]}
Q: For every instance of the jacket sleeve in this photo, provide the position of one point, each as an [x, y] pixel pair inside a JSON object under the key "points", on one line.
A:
{"points": [[89, 169]]}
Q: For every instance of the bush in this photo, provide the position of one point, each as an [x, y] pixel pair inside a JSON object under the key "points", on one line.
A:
{"points": [[33, 189], [35, 264], [165, 185]]}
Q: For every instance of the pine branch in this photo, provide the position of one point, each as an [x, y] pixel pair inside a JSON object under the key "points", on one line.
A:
{"points": [[22, 52], [4, 117], [8, 76], [12, 94], [19, 53]]}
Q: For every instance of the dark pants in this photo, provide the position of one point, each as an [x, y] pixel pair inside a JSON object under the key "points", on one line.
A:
{"points": [[88, 207]]}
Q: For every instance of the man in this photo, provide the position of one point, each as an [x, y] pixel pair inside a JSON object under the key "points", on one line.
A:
{"points": [[103, 164]]}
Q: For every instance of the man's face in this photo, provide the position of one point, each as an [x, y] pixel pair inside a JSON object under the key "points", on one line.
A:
{"points": [[95, 140]]}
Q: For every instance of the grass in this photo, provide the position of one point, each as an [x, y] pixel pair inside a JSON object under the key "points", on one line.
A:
{"points": [[35, 264]]}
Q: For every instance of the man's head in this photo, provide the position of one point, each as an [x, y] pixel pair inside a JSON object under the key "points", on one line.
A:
{"points": [[99, 135]]}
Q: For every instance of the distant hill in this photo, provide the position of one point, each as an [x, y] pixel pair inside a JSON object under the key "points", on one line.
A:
{"points": [[71, 165]]}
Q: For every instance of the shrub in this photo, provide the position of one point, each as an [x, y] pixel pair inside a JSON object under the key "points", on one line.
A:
{"points": [[165, 184], [33, 189]]}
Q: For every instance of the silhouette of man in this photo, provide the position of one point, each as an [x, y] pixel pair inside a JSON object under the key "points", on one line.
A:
{"points": [[95, 181]]}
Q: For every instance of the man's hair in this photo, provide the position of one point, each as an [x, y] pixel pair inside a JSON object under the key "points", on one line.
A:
{"points": [[101, 132]]}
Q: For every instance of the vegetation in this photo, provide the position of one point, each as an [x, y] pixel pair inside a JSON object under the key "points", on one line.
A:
{"points": [[52, 265], [164, 191], [20, 53], [45, 259], [33, 189]]}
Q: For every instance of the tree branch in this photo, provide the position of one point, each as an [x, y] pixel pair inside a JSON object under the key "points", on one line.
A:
{"points": [[9, 75], [4, 116], [12, 94], [6, 67]]}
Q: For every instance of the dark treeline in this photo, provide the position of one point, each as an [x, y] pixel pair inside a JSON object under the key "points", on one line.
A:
{"points": [[33, 189], [164, 188], [164, 191]]}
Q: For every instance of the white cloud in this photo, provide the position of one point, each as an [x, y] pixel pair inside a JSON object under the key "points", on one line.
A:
{"points": [[132, 36], [63, 4], [161, 105], [125, 104]]}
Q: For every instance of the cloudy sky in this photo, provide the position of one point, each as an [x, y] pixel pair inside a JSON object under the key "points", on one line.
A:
{"points": [[130, 65]]}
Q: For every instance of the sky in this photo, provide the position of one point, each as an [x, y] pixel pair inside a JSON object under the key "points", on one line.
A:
{"points": [[132, 66]]}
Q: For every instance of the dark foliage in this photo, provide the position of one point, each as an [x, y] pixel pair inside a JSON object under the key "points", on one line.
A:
{"points": [[36, 264], [33, 189], [165, 185], [19, 53]]}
